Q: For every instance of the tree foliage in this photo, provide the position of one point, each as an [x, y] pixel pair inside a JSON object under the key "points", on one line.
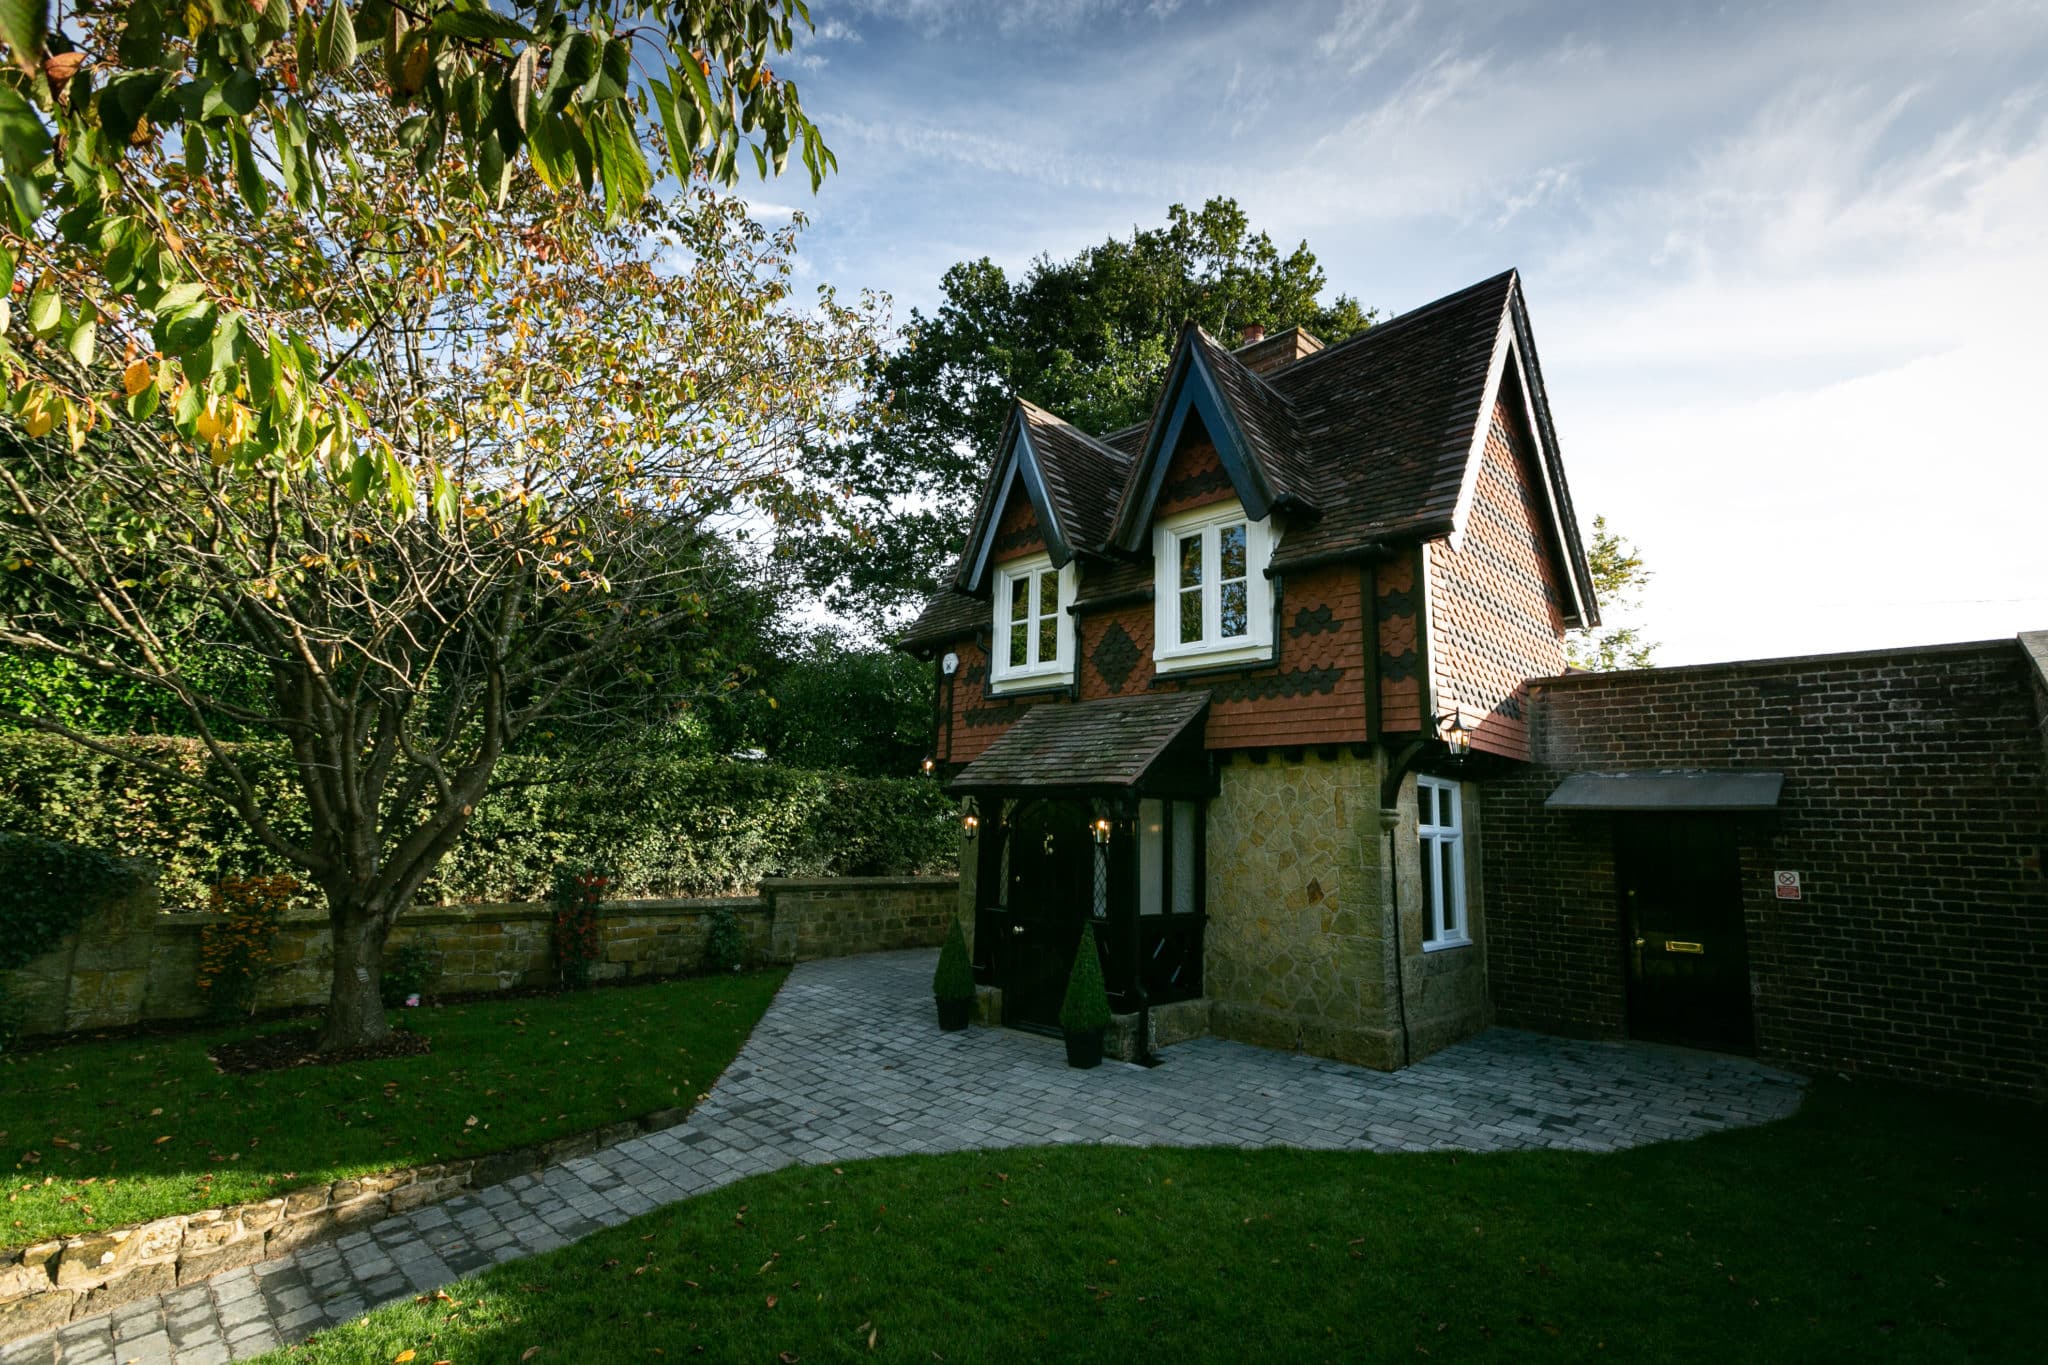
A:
{"points": [[1619, 577], [436, 435], [1088, 338]]}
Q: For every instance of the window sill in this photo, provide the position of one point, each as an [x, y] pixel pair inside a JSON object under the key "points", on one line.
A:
{"points": [[1439, 945], [1030, 685], [1237, 656]]}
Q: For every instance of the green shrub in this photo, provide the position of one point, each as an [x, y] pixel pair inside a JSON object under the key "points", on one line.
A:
{"points": [[234, 947], [724, 949], [666, 822], [1086, 1007], [406, 973], [954, 979]]}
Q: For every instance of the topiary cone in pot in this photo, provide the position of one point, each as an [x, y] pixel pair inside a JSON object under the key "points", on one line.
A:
{"points": [[1085, 1012], [953, 983]]}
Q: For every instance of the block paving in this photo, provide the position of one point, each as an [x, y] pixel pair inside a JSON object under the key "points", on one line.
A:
{"points": [[848, 1063]]}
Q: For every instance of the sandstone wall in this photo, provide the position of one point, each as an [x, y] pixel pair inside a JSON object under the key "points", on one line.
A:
{"points": [[129, 963]]}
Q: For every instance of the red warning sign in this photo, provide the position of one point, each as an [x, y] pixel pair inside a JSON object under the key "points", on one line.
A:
{"points": [[1788, 886]]}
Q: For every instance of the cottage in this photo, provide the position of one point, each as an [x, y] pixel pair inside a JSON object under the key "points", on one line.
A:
{"points": [[1251, 685]]}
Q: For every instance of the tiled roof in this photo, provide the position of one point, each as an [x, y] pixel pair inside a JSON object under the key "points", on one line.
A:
{"points": [[948, 614], [1387, 418], [1083, 476], [1108, 743], [1373, 435]]}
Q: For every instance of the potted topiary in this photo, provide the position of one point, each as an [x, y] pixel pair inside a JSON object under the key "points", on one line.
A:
{"points": [[1085, 1013], [953, 983]]}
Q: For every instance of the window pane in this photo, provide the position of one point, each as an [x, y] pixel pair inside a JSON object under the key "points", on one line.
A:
{"points": [[1190, 561], [1048, 594], [1048, 639], [1425, 803], [1185, 813], [1447, 849], [1191, 616], [1233, 617], [1230, 551], [1151, 856], [1020, 641], [1429, 896], [1020, 599], [1447, 807]]}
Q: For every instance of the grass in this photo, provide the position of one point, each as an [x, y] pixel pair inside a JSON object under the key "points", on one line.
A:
{"points": [[1877, 1224], [103, 1134]]}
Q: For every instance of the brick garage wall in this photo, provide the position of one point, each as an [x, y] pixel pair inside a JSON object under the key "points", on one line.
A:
{"points": [[129, 963], [1915, 808]]}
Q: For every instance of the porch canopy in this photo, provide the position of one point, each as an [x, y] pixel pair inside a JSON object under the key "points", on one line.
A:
{"points": [[1668, 791], [1150, 746]]}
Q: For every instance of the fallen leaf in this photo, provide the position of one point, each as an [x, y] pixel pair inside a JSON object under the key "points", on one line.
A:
{"points": [[530, 1353], [771, 1300], [403, 1356]]}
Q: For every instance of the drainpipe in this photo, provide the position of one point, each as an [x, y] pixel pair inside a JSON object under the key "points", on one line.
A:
{"points": [[1390, 821]]}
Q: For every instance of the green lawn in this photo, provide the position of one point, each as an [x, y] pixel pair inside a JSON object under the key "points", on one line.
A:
{"points": [[108, 1133], [1878, 1224]]}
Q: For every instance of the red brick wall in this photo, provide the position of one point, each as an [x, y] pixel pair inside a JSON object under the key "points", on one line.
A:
{"points": [[1493, 615], [1915, 809]]}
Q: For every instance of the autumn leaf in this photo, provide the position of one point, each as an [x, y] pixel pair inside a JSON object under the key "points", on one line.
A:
{"points": [[136, 377], [403, 1356]]}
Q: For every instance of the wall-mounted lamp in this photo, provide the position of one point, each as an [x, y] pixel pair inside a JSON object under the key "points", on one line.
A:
{"points": [[929, 766], [970, 820], [1101, 828], [1455, 736]]}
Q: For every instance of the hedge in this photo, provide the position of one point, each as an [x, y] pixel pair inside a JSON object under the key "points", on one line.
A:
{"points": [[661, 824]]}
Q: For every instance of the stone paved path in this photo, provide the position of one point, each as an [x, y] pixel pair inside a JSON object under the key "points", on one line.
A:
{"points": [[848, 1063]]}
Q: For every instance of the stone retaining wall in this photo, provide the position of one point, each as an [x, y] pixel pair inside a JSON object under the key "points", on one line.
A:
{"points": [[51, 1283], [129, 963]]}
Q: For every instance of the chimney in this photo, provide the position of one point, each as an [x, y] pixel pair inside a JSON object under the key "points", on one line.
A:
{"points": [[1254, 333]]}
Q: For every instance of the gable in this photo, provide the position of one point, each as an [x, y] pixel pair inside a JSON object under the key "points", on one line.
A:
{"points": [[1018, 531]]}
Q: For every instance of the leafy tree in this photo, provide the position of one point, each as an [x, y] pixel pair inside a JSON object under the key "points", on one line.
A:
{"points": [[1088, 338], [432, 449], [840, 704], [1618, 579]]}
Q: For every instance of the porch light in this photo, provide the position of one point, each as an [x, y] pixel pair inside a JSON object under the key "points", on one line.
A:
{"points": [[929, 766], [1101, 828], [1455, 736], [970, 820]]}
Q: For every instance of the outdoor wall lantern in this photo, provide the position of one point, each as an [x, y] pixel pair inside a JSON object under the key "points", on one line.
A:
{"points": [[970, 820], [1101, 828], [1455, 736], [929, 766]]}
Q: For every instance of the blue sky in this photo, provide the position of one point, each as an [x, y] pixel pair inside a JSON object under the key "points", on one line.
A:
{"points": [[1785, 263]]}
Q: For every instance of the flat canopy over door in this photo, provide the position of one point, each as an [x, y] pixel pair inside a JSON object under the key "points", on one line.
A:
{"points": [[1669, 791]]}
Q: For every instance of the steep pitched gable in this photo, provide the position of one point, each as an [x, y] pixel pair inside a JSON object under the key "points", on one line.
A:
{"points": [[1249, 423], [1069, 478]]}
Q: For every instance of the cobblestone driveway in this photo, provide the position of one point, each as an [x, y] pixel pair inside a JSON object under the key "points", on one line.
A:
{"points": [[849, 1063]]}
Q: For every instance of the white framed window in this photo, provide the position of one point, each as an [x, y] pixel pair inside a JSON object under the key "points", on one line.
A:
{"points": [[1034, 634], [1212, 602], [1169, 862], [1440, 828]]}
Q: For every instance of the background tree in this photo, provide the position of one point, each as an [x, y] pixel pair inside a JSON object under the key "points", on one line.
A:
{"points": [[1089, 338], [1618, 579], [435, 451]]}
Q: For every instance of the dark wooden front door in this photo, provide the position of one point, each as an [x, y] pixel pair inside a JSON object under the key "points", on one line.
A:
{"points": [[1050, 888], [1686, 952]]}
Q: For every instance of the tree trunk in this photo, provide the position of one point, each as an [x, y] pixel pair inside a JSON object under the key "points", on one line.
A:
{"points": [[355, 1004]]}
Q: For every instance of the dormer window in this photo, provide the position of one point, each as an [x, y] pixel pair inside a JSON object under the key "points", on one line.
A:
{"points": [[1033, 642], [1213, 602]]}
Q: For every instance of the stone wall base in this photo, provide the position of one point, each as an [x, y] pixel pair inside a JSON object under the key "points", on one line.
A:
{"points": [[1174, 1023], [1379, 1048], [52, 1283]]}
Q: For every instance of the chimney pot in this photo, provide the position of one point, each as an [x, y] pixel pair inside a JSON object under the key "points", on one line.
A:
{"points": [[1255, 332]]}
